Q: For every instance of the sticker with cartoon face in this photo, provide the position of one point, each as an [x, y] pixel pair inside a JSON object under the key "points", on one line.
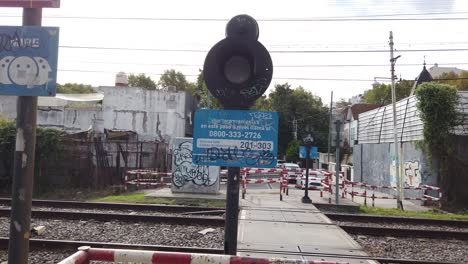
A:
{"points": [[23, 71], [44, 69], [4, 64]]}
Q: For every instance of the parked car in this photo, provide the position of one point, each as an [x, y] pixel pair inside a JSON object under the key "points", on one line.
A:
{"points": [[279, 163], [315, 180], [293, 171]]}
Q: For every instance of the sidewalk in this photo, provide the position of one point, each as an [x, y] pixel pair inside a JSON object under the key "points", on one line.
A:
{"points": [[290, 229]]}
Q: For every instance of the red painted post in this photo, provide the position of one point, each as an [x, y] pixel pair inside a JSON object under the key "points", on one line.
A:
{"points": [[365, 195], [373, 198]]}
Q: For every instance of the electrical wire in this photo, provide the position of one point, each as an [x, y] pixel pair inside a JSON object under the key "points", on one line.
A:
{"points": [[276, 78], [276, 66], [386, 17], [271, 51]]}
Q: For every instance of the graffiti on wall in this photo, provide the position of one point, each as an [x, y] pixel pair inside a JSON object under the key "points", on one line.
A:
{"points": [[412, 173], [185, 171]]}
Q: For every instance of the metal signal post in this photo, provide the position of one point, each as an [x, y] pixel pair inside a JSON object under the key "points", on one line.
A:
{"points": [[237, 71]]}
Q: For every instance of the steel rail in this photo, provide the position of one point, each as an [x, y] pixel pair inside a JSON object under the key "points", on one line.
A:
{"points": [[193, 220], [404, 232], [381, 260], [118, 206], [69, 244], [394, 219]]}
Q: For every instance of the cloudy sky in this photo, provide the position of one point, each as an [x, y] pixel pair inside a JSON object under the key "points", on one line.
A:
{"points": [[324, 46]]}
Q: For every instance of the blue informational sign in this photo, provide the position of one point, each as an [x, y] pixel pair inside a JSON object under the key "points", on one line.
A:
{"points": [[235, 138], [28, 60], [303, 152]]}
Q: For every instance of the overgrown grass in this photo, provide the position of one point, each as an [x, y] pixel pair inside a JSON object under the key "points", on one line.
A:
{"points": [[139, 197], [422, 214]]}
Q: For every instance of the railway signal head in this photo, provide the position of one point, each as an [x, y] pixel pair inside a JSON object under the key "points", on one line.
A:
{"points": [[238, 69]]}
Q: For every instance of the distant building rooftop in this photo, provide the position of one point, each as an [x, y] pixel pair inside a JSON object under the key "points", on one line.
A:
{"points": [[357, 109], [436, 71]]}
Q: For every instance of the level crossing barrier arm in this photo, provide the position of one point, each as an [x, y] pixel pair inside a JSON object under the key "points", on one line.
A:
{"points": [[87, 254]]}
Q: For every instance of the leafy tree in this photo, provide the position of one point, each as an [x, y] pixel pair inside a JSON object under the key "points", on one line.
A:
{"points": [[142, 81], [299, 104], [460, 81], [74, 88], [7, 148], [262, 104], [342, 104], [292, 152], [382, 93], [171, 78], [48, 145], [437, 105], [200, 90]]}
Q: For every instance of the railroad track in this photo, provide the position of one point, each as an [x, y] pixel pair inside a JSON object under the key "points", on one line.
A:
{"points": [[68, 244], [218, 221], [180, 220], [124, 206], [404, 232], [394, 219], [71, 244]]}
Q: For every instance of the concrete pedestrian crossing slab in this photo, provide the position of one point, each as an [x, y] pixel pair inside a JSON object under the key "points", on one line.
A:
{"points": [[296, 216]]}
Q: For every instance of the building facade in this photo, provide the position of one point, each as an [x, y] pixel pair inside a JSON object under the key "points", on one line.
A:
{"points": [[153, 115]]}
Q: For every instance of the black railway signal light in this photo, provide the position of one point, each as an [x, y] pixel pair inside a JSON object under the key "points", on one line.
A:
{"points": [[238, 69]]}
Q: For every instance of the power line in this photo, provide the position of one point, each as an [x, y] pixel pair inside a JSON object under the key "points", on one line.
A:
{"points": [[195, 75], [271, 51], [276, 66], [276, 78], [386, 17]]}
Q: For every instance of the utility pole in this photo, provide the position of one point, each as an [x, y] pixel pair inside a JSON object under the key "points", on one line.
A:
{"points": [[338, 163], [330, 128], [23, 174], [395, 132]]}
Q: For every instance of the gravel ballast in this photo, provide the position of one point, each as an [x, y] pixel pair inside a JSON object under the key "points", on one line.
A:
{"points": [[404, 226], [124, 232], [42, 256], [415, 248]]}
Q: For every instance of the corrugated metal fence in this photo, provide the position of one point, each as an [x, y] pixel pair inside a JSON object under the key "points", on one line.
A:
{"points": [[376, 126]]}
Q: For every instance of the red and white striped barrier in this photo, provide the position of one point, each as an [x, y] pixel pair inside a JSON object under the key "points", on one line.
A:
{"points": [[328, 184], [87, 254], [147, 178], [373, 188], [269, 180], [284, 186]]}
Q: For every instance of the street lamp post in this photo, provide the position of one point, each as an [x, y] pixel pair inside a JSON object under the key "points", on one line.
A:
{"points": [[308, 140]]}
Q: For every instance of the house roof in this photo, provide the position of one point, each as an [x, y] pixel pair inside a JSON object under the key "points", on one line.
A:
{"points": [[424, 76], [436, 71], [357, 109]]}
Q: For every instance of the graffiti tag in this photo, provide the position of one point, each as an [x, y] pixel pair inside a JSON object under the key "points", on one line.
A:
{"points": [[412, 173], [8, 42], [186, 171], [247, 156]]}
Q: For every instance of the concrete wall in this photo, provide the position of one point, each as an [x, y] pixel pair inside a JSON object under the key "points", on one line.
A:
{"points": [[154, 115], [188, 177], [8, 106], [373, 165], [68, 119]]}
